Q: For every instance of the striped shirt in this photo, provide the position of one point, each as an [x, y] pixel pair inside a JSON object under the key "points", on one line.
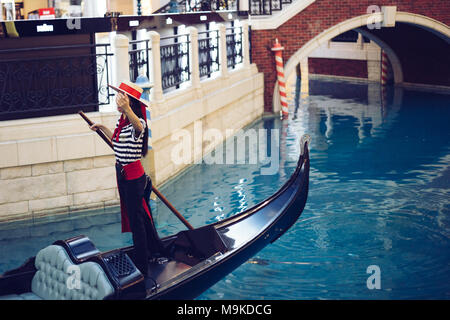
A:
{"points": [[129, 147]]}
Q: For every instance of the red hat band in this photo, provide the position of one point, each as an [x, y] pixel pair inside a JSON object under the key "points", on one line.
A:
{"points": [[132, 92]]}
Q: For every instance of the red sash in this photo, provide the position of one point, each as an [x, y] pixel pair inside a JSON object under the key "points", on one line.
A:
{"points": [[132, 171]]}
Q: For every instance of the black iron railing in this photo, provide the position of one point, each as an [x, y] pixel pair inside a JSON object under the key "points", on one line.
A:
{"points": [[234, 46], [210, 5], [208, 52], [175, 61], [140, 53], [260, 7], [266, 7], [256, 7], [181, 6], [45, 81]]}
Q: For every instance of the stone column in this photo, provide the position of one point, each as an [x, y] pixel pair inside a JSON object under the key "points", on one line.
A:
{"points": [[245, 45], [243, 5], [223, 50], [193, 53], [121, 67], [156, 93]]}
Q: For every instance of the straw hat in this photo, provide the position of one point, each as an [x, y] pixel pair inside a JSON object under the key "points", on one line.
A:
{"points": [[131, 89]]}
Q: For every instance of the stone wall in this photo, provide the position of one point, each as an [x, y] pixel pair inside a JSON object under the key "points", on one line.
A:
{"points": [[338, 67], [57, 165], [31, 191], [347, 59], [54, 165]]}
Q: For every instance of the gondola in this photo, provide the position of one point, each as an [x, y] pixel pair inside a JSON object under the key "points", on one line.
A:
{"points": [[196, 259]]}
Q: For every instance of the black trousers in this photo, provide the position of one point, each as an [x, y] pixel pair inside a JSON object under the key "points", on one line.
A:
{"points": [[145, 237]]}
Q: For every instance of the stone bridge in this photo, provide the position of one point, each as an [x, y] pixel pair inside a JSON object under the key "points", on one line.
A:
{"points": [[414, 34]]}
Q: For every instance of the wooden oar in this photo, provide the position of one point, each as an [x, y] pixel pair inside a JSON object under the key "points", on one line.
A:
{"points": [[156, 191], [99, 131]]}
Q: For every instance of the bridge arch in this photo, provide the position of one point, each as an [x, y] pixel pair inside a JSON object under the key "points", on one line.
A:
{"points": [[358, 22], [392, 56]]}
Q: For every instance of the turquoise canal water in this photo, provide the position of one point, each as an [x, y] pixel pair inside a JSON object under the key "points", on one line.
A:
{"points": [[379, 196]]}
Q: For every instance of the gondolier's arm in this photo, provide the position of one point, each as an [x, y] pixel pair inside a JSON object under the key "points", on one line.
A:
{"points": [[105, 129]]}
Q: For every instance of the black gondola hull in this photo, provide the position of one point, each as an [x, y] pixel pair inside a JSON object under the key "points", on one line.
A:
{"points": [[244, 234], [196, 285]]}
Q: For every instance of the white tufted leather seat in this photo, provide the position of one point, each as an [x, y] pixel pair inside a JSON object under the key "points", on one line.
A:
{"points": [[51, 281], [23, 296]]}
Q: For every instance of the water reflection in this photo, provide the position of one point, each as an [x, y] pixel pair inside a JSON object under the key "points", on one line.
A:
{"points": [[360, 125], [349, 123], [379, 194]]}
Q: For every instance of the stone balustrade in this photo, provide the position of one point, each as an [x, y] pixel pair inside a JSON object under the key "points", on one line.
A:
{"points": [[56, 165]]}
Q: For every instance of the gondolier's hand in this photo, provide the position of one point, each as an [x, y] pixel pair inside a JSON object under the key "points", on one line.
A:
{"points": [[106, 131], [123, 103], [96, 126]]}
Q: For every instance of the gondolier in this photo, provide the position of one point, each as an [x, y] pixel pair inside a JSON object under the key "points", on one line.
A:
{"points": [[130, 141]]}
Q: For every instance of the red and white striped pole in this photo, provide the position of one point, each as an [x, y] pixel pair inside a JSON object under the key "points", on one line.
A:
{"points": [[277, 48], [384, 72], [384, 67]]}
